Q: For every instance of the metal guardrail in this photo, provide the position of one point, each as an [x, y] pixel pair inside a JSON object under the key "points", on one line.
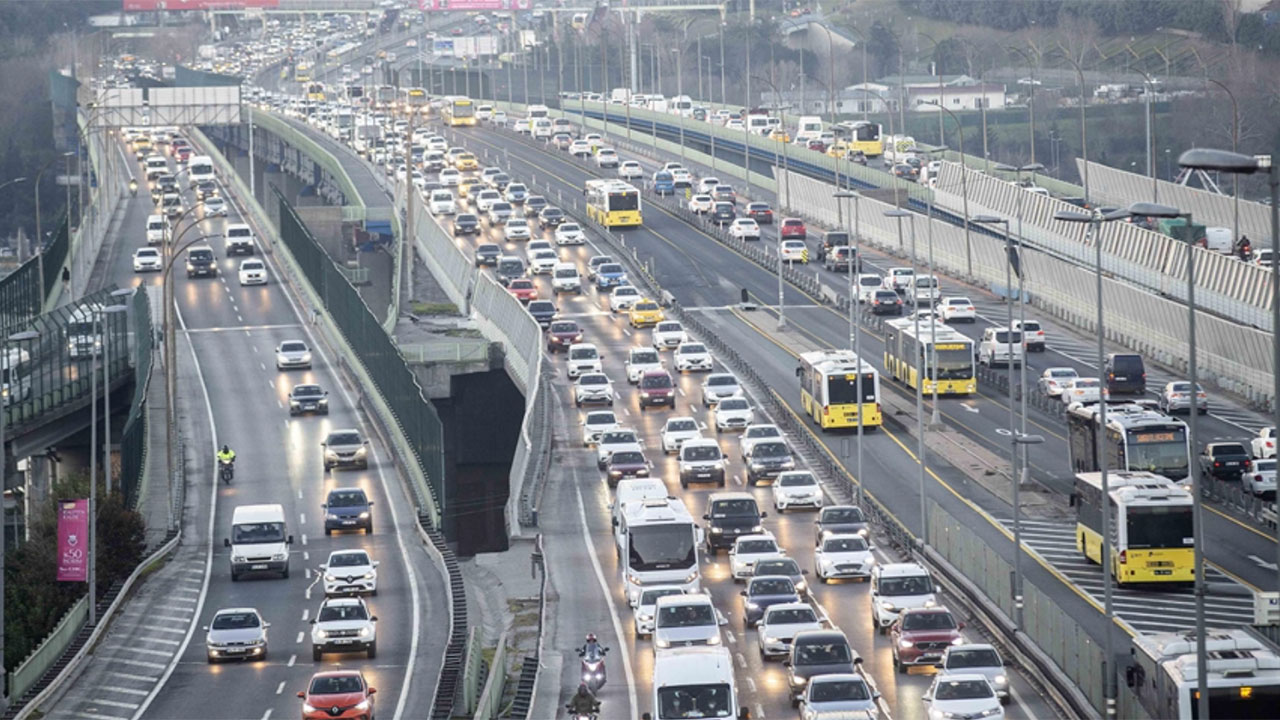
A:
{"points": [[30, 670], [489, 705], [472, 669]]}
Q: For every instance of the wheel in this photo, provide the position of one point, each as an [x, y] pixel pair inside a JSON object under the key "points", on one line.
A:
{"points": [[782, 509], [898, 666], [285, 574], [721, 482], [374, 592], [235, 576], [822, 578], [316, 654], [212, 660], [368, 529], [684, 484], [328, 532], [373, 649]]}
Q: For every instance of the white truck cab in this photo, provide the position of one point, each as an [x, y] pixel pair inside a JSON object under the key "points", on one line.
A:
{"points": [[259, 540]]}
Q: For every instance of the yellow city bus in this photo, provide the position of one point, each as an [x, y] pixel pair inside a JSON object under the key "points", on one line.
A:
{"points": [[829, 389], [866, 139], [1152, 533], [414, 100], [315, 91], [302, 72], [954, 374], [459, 111], [613, 203]]}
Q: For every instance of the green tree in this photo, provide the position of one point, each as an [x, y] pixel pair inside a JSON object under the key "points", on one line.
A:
{"points": [[882, 45]]}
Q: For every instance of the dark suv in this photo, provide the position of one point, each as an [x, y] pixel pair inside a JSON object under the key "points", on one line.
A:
{"points": [[348, 509], [1225, 460], [833, 239], [201, 263], [1126, 373], [730, 514]]}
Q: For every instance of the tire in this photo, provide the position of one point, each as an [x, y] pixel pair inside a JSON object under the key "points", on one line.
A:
{"points": [[285, 574], [373, 592], [328, 532], [373, 649], [316, 654], [898, 666], [235, 576]]}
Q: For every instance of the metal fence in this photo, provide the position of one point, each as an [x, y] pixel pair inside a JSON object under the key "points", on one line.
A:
{"points": [[23, 291], [489, 704], [133, 439], [395, 381], [32, 669]]}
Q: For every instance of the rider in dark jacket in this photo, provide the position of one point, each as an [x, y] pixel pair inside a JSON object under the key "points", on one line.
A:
{"points": [[584, 703]]}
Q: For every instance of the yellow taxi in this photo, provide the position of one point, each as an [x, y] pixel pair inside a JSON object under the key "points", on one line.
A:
{"points": [[780, 135], [645, 313], [466, 161], [838, 150], [470, 185]]}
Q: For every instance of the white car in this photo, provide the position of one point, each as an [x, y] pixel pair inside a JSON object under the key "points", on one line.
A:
{"points": [[630, 170], [757, 432], [344, 625], [748, 549], [963, 696], [293, 354], [593, 388], [1055, 379], [614, 439], [718, 386], [954, 308], [521, 126], [744, 229], [593, 140], [147, 259], [487, 173], [516, 193], [1264, 444], [1083, 390], [595, 424], [437, 143], [442, 203], [977, 659], [693, 356], [517, 228], [796, 488], [900, 278], [843, 556], [707, 184], [623, 297], [779, 625], [580, 148], [641, 360], [668, 334], [676, 431], [570, 234], [681, 177], [350, 571], [583, 358], [646, 604], [565, 278], [450, 177], [486, 198], [794, 251], [607, 158], [733, 413], [215, 207], [536, 245], [867, 285], [896, 587], [542, 262], [1261, 478], [700, 204], [253, 272]]}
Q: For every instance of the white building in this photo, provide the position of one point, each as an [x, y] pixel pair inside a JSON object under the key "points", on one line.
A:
{"points": [[958, 93]]}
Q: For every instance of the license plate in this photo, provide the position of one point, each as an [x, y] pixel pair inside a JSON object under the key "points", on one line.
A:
{"points": [[343, 641], [1163, 572], [1232, 463], [348, 522], [309, 406], [704, 475], [233, 651], [259, 566]]}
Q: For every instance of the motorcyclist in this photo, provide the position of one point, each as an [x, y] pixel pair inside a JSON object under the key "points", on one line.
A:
{"points": [[226, 455], [583, 703], [1244, 247], [592, 648]]}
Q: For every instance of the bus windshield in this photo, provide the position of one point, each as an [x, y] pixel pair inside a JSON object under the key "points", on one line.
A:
{"points": [[623, 201], [867, 132], [843, 389], [1233, 702], [463, 109], [1159, 527], [661, 547], [954, 364], [1167, 457]]}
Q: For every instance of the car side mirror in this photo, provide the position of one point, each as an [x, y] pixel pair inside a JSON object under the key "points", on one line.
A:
{"points": [[376, 563], [960, 626], [324, 566], [786, 661], [370, 503], [226, 542], [302, 694], [743, 593], [313, 621], [266, 625], [804, 572], [204, 627], [704, 517], [366, 442], [646, 716], [288, 540], [871, 548], [937, 588], [324, 444], [615, 522], [764, 515], [324, 506]]}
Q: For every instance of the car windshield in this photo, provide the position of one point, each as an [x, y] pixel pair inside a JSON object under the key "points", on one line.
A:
{"points": [[855, 543], [646, 306], [1067, 373], [797, 480], [567, 272], [781, 566], [669, 327], [347, 498], [598, 418], [687, 615], [822, 653], [722, 381], [583, 354], [626, 291], [348, 559], [756, 547], [344, 438], [627, 457], [293, 347], [202, 255], [978, 657], [564, 327], [250, 533], [791, 616], [737, 508], [337, 613], [611, 269], [552, 212], [700, 453], [681, 425], [307, 391], [235, 621], [650, 597], [692, 349], [655, 382], [734, 404], [542, 306], [909, 585], [769, 449], [837, 690], [695, 701], [771, 586], [593, 380], [644, 357], [928, 621], [762, 431], [617, 437], [962, 690], [336, 685], [567, 228]]}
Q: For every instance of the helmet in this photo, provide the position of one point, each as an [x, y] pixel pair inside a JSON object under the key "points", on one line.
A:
{"points": [[591, 637], [583, 689], [225, 448]]}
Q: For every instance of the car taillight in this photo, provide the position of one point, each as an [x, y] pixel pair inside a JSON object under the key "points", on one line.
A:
{"points": [[970, 308], [1248, 463], [1124, 556], [826, 410], [1217, 464]]}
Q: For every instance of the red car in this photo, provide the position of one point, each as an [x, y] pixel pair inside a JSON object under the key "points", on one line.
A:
{"points": [[657, 388], [817, 146], [523, 289], [561, 334], [921, 635], [183, 154], [792, 229], [337, 695], [760, 212]]}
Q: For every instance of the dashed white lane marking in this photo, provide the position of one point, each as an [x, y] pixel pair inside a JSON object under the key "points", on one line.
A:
{"points": [[122, 690], [292, 659], [267, 715], [306, 614], [163, 641], [139, 663], [300, 636], [262, 365], [99, 716], [302, 518], [280, 687], [114, 703], [131, 676]]}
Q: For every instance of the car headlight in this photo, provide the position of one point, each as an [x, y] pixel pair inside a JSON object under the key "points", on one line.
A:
{"points": [[752, 606], [633, 578], [615, 473], [717, 465], [959, 640], [717, 530], [693, 575], [886, 605], [755, 465], [930, 602], [714, 639], [788, 464], [322, 633], [330, 578], [644, 618], [237, 558], [330, 516], [279, 556], [362, 705], [662, 642], [797, 680], [330, 455], [991, 711], [190, 267], [756, 528], [365, 632], [906, 644], [1000, 681], [308, 708], [369, 575], [801, 586]]}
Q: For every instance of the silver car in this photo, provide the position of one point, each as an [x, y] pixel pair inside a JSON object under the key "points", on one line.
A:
{"points": [[236, 634], [980, 659], [345, 448], [1176, 397], [718, 386], [293, 355], [839, 695]]}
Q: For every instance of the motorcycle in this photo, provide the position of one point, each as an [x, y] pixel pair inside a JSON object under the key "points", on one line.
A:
{"points": [[580, 716], [226, 470], [593, 673]]}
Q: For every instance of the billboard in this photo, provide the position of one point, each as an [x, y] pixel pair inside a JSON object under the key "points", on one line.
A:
{"points": [[73, 540], [473, 5], [177, 5]]}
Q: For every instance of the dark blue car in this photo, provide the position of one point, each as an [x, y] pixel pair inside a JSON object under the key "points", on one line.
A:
{"points": [[610, 275], [764, 591], [348, 509]]}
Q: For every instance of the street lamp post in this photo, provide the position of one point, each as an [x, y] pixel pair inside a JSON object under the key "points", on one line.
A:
{"points": [[899, 214], [679, 53], [1084, 130], [1031, 96], [1235, 177], [106, 383], [1149, 93], [855, 330], [964, 190]]}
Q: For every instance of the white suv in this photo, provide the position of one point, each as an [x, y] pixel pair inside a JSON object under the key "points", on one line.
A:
{"points": [[344, 625], [896, 587], [583, 358], [996, 346]]}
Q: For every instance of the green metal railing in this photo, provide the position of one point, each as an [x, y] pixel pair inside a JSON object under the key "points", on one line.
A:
{"points": [[23, 291], [133, 441]]}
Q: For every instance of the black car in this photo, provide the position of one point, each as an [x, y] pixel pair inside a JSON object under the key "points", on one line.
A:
{"points": [[488, 254], [730, 514], [534, 204], [201, 262], [544, 311], [308, 399], [1126, 373], [500, 181], [204, 188], [1225, 460], [550, 217], [833, 239], [466, 224], [886, 302], [348, 509], [722, 213], [763, 592]]}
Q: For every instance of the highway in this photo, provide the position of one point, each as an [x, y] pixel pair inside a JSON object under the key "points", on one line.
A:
{"points": [[232, 331]]}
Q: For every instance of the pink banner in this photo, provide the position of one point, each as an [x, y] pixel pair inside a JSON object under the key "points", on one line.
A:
{"points": [[177, 5], [474, 5], [73, 541]]}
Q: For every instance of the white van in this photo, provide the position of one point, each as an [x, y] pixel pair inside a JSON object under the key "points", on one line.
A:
{"points": [[995, 347], [538, 111], [694, 677], [542, 128], [199, 169], [259, 540], [682, 105], [561, 125], [565, 278], [1219, 239], [924, 290], [156, 166], [809, 127], [156, 226], [637, 489], [758, 124]]}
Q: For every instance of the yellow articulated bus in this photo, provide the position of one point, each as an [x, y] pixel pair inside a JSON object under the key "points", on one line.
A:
{"points": [[937, 343], [302, 72], [459, 111], [829, 389], [613, 203], [315, 91], [1152, 533]]}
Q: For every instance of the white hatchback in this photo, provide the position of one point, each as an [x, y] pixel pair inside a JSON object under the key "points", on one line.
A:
{"points": [[954, 308], [623, 297], [668, 334], [350, 572], [733, 413], [147, 259], [744, 229], [630, 170], [253, 272], [596, 423], [747, 550], [676, 431], [570, 234], [641, 360], [700, 204]]}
